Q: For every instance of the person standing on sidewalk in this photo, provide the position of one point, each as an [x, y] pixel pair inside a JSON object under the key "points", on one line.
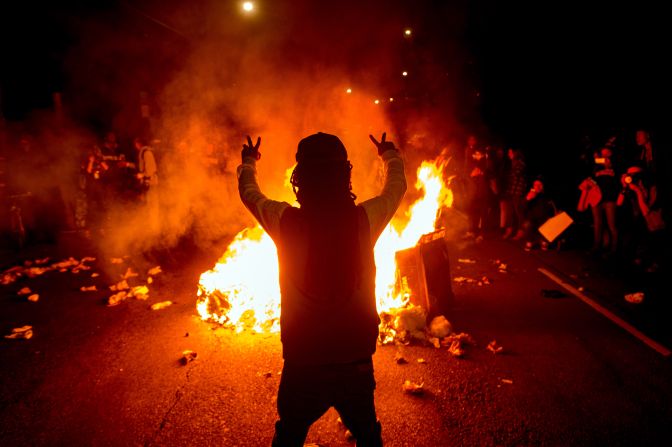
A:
{"points": [[329, 322]]}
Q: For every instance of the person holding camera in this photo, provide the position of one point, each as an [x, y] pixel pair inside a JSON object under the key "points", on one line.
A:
{"points": [[329, 322], [639, 195]]}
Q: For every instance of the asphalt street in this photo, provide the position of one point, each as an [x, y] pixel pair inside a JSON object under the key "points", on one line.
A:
{"points": [[112, 376]]}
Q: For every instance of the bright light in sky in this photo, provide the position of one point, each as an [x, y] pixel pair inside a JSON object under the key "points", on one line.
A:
{"points": [[404, 73], [407, 32], [377, 101], [348, 90], [248, 6]]}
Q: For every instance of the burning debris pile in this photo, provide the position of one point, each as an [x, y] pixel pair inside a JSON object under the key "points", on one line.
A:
{"points": [[242, 290]]}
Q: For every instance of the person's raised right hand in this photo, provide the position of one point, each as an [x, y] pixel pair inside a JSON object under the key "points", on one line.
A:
{"points": [[383, 145], [250, 149]]}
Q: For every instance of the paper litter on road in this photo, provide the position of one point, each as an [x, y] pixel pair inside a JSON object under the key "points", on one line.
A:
{"points": [[635, 298], [154, 271], [440, 327], [139, 292], [116, 298], [161, 305], [121, 285], [34, 297], [413, 388], [116, 260], [23, 332], [129, 273], [466, 261], [92, 288], [494, 347], [24, 291]]}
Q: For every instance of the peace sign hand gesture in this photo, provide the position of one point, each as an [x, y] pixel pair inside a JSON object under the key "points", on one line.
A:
{"points": [[250, 149], [383, 145]]}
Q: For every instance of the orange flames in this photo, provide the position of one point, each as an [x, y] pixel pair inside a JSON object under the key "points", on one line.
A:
{"points": [[242, 290]]}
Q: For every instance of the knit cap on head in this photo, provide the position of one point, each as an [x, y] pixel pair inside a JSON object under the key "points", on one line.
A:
{"points": [[321, 147]]}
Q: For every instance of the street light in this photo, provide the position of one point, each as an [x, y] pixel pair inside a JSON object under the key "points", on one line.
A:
{"points": [[404, 73], [348, 91], [248, 6], [408, 32]]}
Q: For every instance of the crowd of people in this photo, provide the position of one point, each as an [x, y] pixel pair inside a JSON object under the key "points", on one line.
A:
{"points": [[47, 191], [620, 186], [492, 184]]}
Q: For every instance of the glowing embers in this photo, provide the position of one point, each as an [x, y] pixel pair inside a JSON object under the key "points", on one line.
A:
{"points": [[242, 290]]}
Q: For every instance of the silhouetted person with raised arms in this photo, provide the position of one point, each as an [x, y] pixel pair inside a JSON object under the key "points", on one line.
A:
{"points": [[329, 322]]}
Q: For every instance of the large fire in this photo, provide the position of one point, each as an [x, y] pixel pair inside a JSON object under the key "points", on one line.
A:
{"points": [[242, 290]]}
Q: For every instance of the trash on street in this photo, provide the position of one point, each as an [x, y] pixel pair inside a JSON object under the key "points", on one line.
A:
{"points": [[161, 305], [23, 332], [440, 327], [494, 347], [117, 298], [413, 388], [634, 298]]}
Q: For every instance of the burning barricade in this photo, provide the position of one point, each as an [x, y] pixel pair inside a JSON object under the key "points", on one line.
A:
{"points": [[412, 273]]}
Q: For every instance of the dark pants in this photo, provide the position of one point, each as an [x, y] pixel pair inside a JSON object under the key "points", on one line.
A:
{"points": [[307, 392]]}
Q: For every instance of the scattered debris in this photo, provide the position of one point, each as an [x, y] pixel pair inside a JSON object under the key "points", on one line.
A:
{"points": [[23, 332], [129, 273], [150, 280], [92, 288], [95, 275], [456, 349], [462, 337], [139, 292], [24, 291], [403, 325], [188, 356], [121, 285], [154, 271], [507, 381], [494, 347], [440, 327], [634, 298], [484, 281], [553, 293], [161, 305], [503, 268], [116, 260], [29, 270], [117, 298], [463, 280], [422, 361], [413, 388], [581, 289], [456, 343], [34, 297], [466, 261]]}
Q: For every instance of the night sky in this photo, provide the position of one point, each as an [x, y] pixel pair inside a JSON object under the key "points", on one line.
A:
{"points": [[533, 74]]}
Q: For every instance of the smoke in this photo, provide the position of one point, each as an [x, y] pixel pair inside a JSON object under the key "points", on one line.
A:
{"points": [[215, 75]]}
